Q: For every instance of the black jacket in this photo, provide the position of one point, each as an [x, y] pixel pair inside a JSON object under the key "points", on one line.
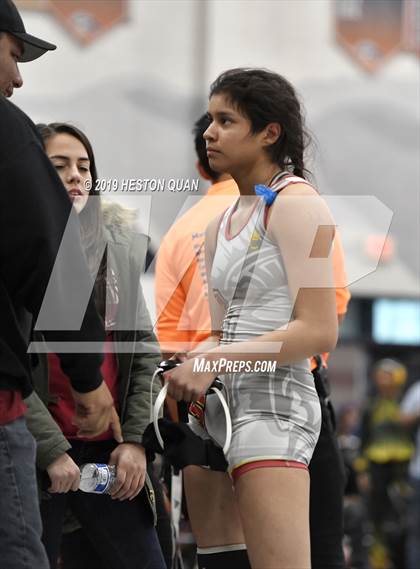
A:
{"points": [[34, 213]]}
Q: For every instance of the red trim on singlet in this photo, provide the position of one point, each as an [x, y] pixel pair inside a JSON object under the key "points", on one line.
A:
{"points": [[267, 207], [269, 463], [220, 222], [228, 234]]}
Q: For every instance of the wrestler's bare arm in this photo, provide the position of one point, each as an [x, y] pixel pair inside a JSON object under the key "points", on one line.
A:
{"points": [[294, 218]]}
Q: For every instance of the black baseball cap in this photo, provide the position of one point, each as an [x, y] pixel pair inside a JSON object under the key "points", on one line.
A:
{"points": [[11, 22]]}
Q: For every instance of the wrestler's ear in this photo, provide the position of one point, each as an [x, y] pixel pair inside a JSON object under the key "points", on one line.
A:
{"points": [[271, 134]]}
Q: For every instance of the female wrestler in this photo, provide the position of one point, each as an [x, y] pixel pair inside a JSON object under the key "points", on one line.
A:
{"points": [[116, 530], [271, 298]]}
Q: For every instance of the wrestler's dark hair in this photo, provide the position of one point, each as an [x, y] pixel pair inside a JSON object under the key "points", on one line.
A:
{"points": [[265, 97], [91, 219], [200, 127]]}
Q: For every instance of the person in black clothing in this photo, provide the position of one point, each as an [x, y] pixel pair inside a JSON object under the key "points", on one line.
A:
{"points": [[356, 524], [34, 215]]}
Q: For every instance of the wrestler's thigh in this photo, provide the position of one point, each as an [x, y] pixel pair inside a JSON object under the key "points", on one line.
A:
{"points": [[274, 508], [212, 508]]}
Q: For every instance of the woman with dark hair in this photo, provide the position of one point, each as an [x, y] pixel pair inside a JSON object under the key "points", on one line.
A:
{"points": [[117, 530], [61, 135], [272, 300]]}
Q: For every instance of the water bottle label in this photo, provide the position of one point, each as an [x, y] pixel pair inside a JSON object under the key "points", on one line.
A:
{"points": [[103, 478]]}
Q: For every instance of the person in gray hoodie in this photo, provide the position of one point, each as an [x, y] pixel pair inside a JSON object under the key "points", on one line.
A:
{"points": [[115, 253]]}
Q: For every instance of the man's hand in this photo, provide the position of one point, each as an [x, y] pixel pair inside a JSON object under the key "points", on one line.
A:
{"points": [[64, 475], [95, 413], [130, 460]]}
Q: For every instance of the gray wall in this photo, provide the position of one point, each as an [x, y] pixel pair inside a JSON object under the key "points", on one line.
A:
{"points": [[137, 90]]}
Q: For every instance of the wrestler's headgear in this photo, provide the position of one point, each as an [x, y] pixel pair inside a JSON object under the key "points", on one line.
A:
{"points": [[12, 23]]}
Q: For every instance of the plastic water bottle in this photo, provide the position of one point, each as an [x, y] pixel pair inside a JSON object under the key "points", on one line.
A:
{"points": [[97, 478]]}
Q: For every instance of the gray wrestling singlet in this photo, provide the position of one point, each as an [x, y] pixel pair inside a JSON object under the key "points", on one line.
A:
{"points": [[274, 415]]}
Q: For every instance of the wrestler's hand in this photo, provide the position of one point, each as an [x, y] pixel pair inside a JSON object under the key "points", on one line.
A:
{"points": [[130, 460], [64, 475], [186, 384], [95, 413]]}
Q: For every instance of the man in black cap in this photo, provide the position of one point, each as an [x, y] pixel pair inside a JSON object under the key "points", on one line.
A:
{"points": [[34, 214], [10, 21]]}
